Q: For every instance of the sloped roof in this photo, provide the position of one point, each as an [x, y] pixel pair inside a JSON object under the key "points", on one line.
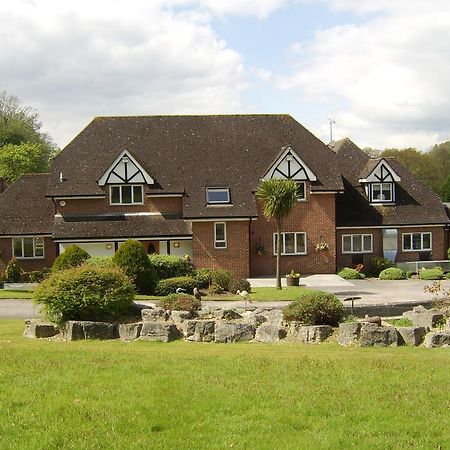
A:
{"points": [[24, 209], [415, 203], [185, 154]]}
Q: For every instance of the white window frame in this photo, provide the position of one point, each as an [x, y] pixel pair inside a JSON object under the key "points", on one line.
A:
{"points": [[302, 199], [120, 186], [381, 183], [22, 238], [422, 249], [283, 243], [217, 242], [217, 189], [352, 237]]}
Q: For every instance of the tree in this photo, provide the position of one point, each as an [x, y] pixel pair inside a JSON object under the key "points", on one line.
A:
{"points": [[278, 197], [446, 190], [23, 147]]}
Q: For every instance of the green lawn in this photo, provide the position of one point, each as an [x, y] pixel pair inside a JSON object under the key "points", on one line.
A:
{"points": [[10, 293], [115, 395]]}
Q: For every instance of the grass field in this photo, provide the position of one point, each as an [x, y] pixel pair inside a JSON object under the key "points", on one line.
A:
{"points": [[11, 294], [115, 395]]}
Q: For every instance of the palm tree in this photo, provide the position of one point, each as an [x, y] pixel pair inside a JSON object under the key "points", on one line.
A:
{"points": [[278, 197]]}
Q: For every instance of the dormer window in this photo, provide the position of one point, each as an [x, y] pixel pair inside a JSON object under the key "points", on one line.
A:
{"points": [[126, 194], [217, 196], [382, 192]]}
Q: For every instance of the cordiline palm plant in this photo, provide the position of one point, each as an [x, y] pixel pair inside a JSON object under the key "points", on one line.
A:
{"points": [[278, 197]]}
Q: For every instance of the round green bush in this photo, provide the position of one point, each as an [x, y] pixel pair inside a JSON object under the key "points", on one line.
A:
{"points": [[72, 256], [203, 277], [351, 274], [239, 284], [315, 308], [170, 266], [222, 277], [13, 272], [170, 285], [215, 289], [376, 265], [100, 261], [133, 260], [180, 302], [436, 273], [393, 273], [84, 293]]}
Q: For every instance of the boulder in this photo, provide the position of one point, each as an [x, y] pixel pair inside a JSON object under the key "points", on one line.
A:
{"points": [[199, 330], [373, 335], [36, 328], [253, 318], [74, 330], [130, 331], [438, 339], [179, 317], [154, 315], [274, 316], [422, 317], [349, 333], [159, 331], [228, 314], [313, 334], [269, 333], [373, 319], [207, 313], [411, 335], [234, 331]]}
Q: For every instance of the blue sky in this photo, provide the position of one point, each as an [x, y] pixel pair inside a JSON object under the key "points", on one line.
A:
{"points": [[379, 68]]}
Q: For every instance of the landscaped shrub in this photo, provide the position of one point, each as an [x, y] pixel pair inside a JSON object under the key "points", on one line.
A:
{"points": [[169, 266], [133, 260], [36, 276], [436, 273], [239, 284], [170, 285], [203, 277], [180, 302], [13, 272], [351, 274], [447, 275], [84, 293], [393, 273], [215, 288], [315, 308], [222, 277], [72, 256], [100, 261], [376, 265]]}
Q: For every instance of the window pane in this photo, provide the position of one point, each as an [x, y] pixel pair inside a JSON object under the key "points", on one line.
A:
{"points": [[17, 244], [301, 247], [386, 191], [301, 191], [426, 240], [38, 247], [357, 243], [137, 194], [289, 243], [220, 232], [218, 195], [376, 191], [347, 244], [115, 194], [407, 242], [417, 241], [126, 194], [367, 243], [28, 247]]}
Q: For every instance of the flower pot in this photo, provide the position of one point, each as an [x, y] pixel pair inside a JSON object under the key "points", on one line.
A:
{"points": [[291, 281]]}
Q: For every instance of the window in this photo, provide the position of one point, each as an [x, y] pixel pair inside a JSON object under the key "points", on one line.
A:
{"points": [[416, 242], [28, 247], [301, 191], [217, 195], [357, 243], [291, 243], [382, 192], [220, 235], [126, 194]]}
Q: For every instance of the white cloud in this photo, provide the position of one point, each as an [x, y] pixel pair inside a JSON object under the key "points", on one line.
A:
{"points": [[389, 75]]}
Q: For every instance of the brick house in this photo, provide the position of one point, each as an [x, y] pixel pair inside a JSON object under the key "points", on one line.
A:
{"points": [[185, 185]]}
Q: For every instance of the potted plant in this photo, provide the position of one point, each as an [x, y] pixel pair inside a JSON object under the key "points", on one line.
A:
{"points": [[260, 250], [293, 279]]}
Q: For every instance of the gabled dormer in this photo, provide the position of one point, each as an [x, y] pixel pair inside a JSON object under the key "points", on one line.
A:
{"points": [[289, 166], [126, 179], [380, 182]]}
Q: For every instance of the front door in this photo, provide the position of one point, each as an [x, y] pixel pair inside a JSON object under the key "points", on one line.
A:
{"points": [[390, 243]]}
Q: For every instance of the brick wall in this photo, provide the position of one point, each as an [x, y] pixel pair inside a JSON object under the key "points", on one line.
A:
{"points": [[235, 257], [315, 217], [29, 264]]}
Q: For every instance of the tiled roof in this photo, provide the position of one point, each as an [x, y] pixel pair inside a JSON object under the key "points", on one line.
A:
{"points": [[24, 209], [189, 153], [415, 203]]}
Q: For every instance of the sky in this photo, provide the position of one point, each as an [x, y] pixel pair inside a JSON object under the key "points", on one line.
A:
{"points": [[380, 69]]}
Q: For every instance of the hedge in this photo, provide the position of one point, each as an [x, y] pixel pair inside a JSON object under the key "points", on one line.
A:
{"points": [[436, 273], [351, 274], [169, 266], [170, 285], [393, 273], [181, 302]]}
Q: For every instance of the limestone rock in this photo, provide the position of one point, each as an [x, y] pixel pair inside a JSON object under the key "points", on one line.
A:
{"points": [[180, 316], [274, 316], [159, 331], [234, 331], [422, 317], [253, 318], [199, 330], [313, 334], [75, 330], [269, 333], [36, 328], [411, 335], [130, 331], [228, 314], [154, 315], [438, 339], [349, 333], [373, 319], [373, 335]]}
